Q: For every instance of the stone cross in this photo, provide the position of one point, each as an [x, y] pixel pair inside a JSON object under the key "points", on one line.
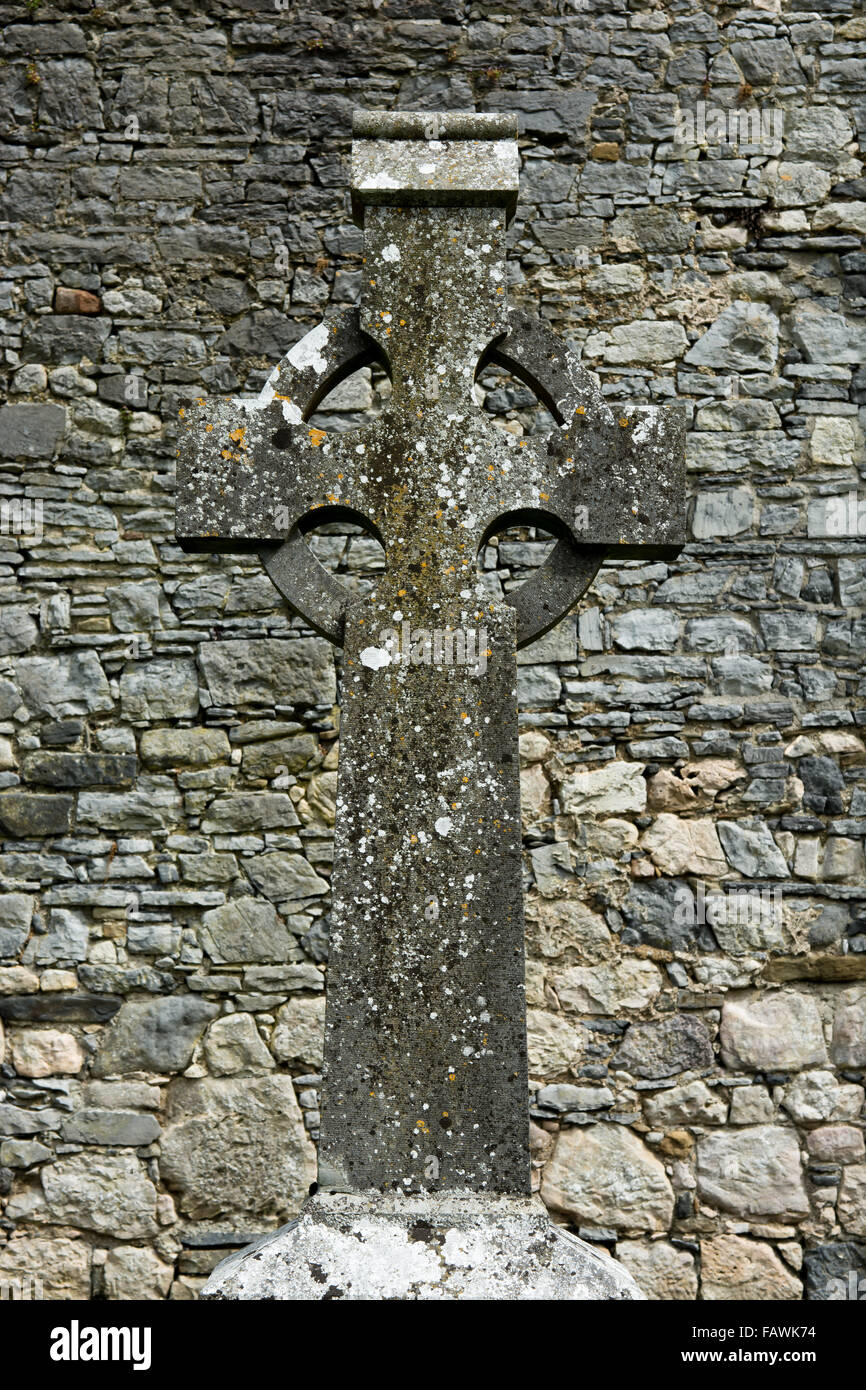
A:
{"points": [[425, 1072]]}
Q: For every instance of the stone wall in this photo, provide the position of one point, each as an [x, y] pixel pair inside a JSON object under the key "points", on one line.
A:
{"points": [[174, 216]]}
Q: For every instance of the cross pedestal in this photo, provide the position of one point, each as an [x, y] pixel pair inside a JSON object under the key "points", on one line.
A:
{"points": [[424, 1173]]}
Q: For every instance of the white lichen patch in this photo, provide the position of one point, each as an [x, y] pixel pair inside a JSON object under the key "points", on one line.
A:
{"points": [[309, 351], [374, 658]]}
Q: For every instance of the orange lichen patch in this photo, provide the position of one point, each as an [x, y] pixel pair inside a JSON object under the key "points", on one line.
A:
{"points": [[238, 436], [182, 413], [581, 410], [278, 397], [623, 422], [208, 428], [317, 437]]}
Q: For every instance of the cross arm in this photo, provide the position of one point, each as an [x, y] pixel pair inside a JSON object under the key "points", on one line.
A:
{"points": [[250, 472]]}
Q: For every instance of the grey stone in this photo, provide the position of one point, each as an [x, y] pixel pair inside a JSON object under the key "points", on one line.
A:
{"points": [[749, 846], [772, 1032], [663, 911], [23, 1153], [16, 915], [79, 769], [269, 672], [15, 1121], [31, 431], [743, 338], [835, 1272], [66, 939], [656, 1050], [604, 1174], [432, 1248], [159, 690], [60, 686], [283, 876], [246, 812], [168, 748], [28, 814], [300, 1030], [18, 632], [156, 1035], [106, 1193], [752, 1172], [245, 929], [236, 1145], [117, 1127]]}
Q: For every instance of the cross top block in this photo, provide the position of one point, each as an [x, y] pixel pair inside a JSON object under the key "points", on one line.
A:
{"points": [[432, 478]]}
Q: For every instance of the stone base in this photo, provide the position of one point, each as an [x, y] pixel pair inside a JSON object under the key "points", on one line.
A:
{"points": [[371, 1246]]}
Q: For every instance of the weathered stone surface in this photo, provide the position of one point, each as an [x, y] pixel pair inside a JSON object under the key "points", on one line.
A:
{"points": [[167, 748], [849, 1029], [836, 1144], [834, 1272], [678, 846], [28, 814], [245, 812], [852, 1200], [30, 431], [693, 1103], [299, 1033], [750, 847], [680, 1043], [159, 690], [234, 1044], [108, 1193], [269, 672], [661, 1272], [282, 877], [734, 1268], [52, 1008], [816, 1096], [121, 1127], [606, 989], [60, 686], [568, 928], [752, 1172], [555, 1045], [604, 1176], [132, 1274], [46, 1053], [780, 1031], [743, 338], [432, 1248], [611, 789], [279, 756], [245, 929], [16, 915], [79, 769], [157, 1035], [61, 1265], [234, 1146]]}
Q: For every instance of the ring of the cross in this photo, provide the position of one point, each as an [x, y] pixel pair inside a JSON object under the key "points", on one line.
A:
{"points": [[530, 352]]}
